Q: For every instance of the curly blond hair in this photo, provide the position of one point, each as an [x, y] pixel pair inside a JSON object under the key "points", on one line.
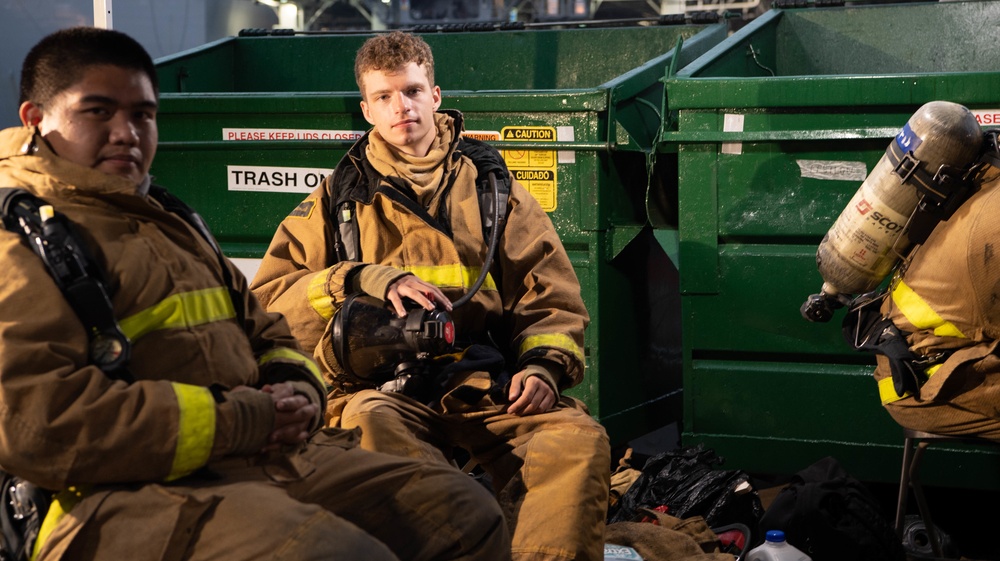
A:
{"points": [[390, 52]]}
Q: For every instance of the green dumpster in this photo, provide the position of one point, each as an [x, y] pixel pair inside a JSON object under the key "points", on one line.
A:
{"points": [[250, 124], [773, 131]]}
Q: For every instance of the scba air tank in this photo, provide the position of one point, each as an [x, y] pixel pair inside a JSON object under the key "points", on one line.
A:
{"points": [[868, 238]]}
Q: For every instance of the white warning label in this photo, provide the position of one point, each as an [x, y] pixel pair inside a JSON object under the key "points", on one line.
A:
{"points": [[275, 179], [482, 135], [987, 117], [289, 134]]}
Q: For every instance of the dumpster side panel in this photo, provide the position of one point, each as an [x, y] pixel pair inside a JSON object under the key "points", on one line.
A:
{"points": [[177, 74], [913, 38], [289, 64], [769, 390], [548, 59]]}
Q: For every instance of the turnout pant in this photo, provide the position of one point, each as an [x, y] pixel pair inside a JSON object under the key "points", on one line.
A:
{"points": [[975, 412], [551, 472], [330, 500]]}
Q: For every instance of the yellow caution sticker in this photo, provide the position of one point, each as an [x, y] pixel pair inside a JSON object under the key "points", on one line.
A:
{"points": [[535, 169]]}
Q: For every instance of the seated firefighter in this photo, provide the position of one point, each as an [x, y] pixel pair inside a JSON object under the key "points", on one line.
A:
{"points": [[202, 445], [935, 328], [401, 221], [946, 304]]}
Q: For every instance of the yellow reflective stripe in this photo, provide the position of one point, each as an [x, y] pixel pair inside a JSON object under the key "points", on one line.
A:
{"points": [[556, 340], [293, 356], [445, 276], [887, 391], [195, 429], [451, 276], [62, 503], [319, 300], [919, 313], [182, 310]]}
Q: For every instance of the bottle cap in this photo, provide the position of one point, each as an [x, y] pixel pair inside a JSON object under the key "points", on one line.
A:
{"points": [[774, 536]]}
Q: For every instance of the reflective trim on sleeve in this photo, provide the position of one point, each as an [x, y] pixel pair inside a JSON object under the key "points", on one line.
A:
{"points": [[887, 390], [919, 313], [319, 299], [182, 310], [62, 503], [556, 340], [195, 429], [291, 355], [451, 276]]}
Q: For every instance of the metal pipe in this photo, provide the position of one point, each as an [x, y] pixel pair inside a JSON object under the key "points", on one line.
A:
{"points": [[102, 14]]}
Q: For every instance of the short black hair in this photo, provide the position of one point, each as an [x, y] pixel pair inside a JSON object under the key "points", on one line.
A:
{"points": [[59, 60]]}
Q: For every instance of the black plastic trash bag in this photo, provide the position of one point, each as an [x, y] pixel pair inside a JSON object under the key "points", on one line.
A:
{"points": [[832, 516], [687, 482]]}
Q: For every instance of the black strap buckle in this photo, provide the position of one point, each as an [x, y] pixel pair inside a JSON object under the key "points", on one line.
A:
{"points": [[906, 166]]}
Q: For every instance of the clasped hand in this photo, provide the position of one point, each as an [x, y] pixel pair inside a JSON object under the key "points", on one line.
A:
{"points": [[293, 416]]}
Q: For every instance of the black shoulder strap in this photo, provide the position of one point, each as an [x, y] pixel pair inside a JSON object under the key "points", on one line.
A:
{"points": [[488, 160], [941, 190], [865, 329], [23, 506], [52, 237], [347, 238], [173, 204], [75, 271]]}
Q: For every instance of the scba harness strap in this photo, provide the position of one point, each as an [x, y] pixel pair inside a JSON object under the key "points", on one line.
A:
{"points": [[52, 236], [865, 329], [941, 190], [21, 513], [54, 239], [347, 237]]}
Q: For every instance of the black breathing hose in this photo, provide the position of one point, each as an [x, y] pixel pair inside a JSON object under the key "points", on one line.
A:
{"points": [[494, 239]]}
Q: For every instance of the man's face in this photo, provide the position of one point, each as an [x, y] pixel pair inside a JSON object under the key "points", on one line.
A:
{"points": [[401, 105], [106, 121]]}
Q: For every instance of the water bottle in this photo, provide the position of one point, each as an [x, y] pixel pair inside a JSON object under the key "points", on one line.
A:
{"points": [[775, 548]]}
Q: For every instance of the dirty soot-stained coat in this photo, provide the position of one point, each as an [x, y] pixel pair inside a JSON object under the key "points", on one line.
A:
{"points": [[948, 300]]}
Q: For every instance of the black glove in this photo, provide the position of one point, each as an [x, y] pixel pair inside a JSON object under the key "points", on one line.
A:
{"points": [[865, 329]]}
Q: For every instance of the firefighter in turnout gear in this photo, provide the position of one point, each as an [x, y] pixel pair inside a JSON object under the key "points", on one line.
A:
{"points": [[947, 306], [409, 187], [935, 327], [212, 449]]}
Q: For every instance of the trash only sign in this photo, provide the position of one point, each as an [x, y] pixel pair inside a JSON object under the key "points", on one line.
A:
{"points": [[275, 179], [535, 169]]}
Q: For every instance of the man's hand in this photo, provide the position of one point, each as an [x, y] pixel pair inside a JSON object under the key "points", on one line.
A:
{"points": [[423, 293], [293, 415], [529, 396]]}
